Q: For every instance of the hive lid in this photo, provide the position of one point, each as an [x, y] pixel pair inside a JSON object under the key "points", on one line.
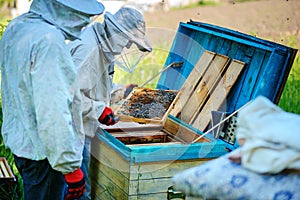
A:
{"points": [[266, 66], [267, 63]]}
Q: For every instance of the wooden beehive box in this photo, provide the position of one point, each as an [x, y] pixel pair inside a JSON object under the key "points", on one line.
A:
{"points": [[221, 67], [137, 160]]}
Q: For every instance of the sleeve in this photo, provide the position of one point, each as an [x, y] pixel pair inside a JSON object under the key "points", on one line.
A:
{"points": [[87, 58], [53, 76]]}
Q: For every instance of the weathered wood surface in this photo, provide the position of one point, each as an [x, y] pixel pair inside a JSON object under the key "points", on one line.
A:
{"points": [[131, 126], [141, 137], [141, 180], [268, 63], [203, 90], [218, 95], [5, 171], [189, 85], [185, 134], [126, 118]]}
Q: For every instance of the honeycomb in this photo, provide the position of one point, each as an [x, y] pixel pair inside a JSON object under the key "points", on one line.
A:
{"points": [[147, 103]]}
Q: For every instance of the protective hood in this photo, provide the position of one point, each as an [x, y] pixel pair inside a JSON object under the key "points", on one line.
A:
{"points": [[69, 20], [130, 22], [92, 7]]}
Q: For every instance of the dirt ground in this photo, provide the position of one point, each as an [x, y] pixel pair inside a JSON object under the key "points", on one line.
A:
{"points": [[274, 20]]}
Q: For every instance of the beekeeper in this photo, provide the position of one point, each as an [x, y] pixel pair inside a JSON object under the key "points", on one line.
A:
{"points": [[38, 97], [95, 55]]}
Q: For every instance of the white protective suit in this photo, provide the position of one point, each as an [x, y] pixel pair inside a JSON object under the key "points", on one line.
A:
{"points": [[94, 55], [38, 81]]}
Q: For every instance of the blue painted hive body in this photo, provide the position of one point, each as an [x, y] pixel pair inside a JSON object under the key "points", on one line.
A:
{"points": [[267, 63], [123, 171]]}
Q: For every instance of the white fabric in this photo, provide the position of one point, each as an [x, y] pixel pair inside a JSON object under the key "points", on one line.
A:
{"points": [[39, 101], [69, 21], [94, 66], [225, 180], [272, 137], [94, 55]]}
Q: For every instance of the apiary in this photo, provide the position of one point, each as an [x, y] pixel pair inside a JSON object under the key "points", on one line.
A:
{"points": [[222, 70]]}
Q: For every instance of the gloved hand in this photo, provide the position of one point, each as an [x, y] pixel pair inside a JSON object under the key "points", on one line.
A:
{"points": [[107, 117], [76, 184]]}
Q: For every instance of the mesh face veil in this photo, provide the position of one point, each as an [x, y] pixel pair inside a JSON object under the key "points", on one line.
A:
{"points": [[129, 58]]}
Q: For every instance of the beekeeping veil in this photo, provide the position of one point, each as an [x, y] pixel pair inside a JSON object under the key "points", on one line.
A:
{"points": [[124, 28], [70, 16]]}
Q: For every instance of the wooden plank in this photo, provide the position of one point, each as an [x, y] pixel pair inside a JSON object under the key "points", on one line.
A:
{"points": [[1, 173], [117, 177], [149, 186], [164, 169], [100, 193], [201, 93], [218, 95], [146, 179], [110, 189], [141, 137], [126, 118], [190, 83], [154, 144], [4, 169], [109, 157], [181, 132], [137, 134], [156, 196], [131, 126]]}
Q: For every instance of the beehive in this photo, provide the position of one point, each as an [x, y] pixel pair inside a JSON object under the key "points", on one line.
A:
{"points": [[137, 162]]}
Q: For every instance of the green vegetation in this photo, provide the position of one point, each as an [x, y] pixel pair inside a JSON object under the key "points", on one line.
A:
{"points": [[289, 100], [2, 28], [290, 97], [149, 67], [199, 3]]}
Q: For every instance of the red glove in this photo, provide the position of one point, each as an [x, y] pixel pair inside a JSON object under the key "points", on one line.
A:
{"points": [[107, 117], [76, 184]]}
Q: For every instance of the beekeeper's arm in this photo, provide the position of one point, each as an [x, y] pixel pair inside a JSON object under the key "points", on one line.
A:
{"points": [[91, 71]]}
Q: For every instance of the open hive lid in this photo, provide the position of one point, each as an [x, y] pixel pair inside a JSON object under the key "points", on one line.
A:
{"points": [[266, 67], [267, 63]]}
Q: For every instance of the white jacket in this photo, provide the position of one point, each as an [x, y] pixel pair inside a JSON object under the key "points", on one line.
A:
{"points": [[94, 69], [39, 103]]}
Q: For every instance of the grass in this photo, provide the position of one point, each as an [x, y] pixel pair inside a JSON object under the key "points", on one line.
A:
{"points": [[290, 98], [147, 68]]}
